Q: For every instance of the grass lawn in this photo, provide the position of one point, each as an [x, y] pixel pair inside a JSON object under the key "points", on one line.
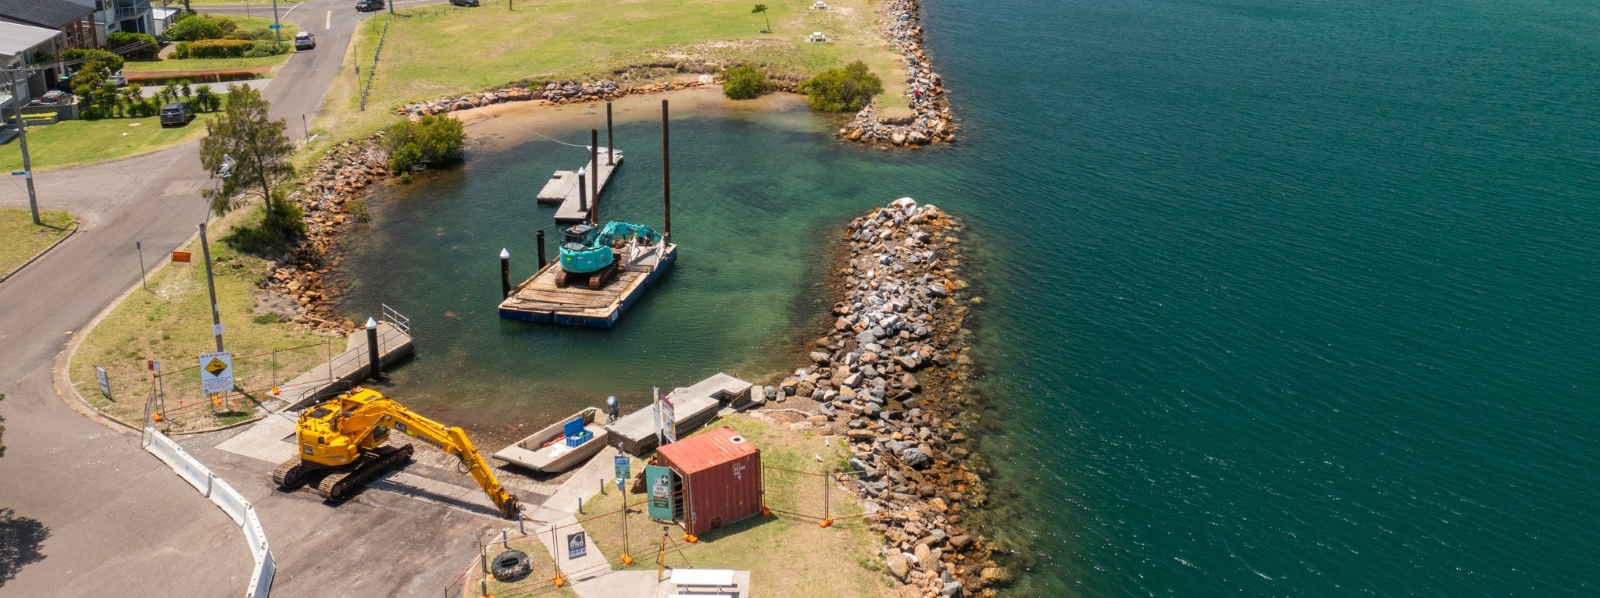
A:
{"points": [[445, 50], [74, 142], [172, 322], [837, 561], [21, 239], [256, 24]]}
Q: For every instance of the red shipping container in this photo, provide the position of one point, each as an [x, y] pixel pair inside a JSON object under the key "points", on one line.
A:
{"points": [[721, 473]]}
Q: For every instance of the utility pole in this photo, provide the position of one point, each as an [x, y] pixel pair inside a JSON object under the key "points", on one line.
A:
{"points": [[22, 133], [277, 32], [211, 285], [205, 252]]}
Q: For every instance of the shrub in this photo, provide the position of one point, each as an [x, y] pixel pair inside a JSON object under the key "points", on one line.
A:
{"points": [[431, 141], [181, 51], [136, 46], [206, 100], [110, 61], [195, 27], [842, 90], [744, 82], [259, 239], [219, 48], [265, 49]]}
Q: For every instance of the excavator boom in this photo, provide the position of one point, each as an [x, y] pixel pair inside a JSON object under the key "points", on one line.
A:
{"points": [[343, 441]]}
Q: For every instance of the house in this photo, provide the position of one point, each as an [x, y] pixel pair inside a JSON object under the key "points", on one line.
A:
{"points": [[22, 46], [111, 16], [75, 21]]}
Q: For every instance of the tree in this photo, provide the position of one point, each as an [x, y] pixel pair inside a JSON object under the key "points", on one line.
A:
{"points": [[842, 90], [246, 132], [762, 8]]}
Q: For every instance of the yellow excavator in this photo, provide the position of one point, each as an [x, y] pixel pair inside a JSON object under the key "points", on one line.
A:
{"points": [[343, 445]]}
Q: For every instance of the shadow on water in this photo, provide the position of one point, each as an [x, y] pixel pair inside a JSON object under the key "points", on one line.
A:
{"points": [[20, 539]]}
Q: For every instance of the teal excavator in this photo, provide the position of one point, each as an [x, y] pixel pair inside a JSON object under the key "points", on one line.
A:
{"points": [[594, 257]]}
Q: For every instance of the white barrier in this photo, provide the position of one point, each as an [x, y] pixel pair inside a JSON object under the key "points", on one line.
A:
{"points": [[227, 499]]}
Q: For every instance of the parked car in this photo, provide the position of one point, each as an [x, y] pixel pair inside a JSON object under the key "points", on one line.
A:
{"points": [[464, 2], [117, 79], [369, 5], [176, 114], [304, 41], [54, 97]]}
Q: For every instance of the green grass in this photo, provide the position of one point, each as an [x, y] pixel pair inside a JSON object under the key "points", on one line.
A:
{"points": [[444, 50], [203, 64], [21, 239], [172, 322], [786, 555], [74, 142]]}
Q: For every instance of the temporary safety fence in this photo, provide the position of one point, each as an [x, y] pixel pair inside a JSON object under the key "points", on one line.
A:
{"points": [[366, 86], [630, 539], [226, 498]]}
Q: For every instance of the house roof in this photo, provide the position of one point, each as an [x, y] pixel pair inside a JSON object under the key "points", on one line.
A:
{"points": [[16, 39], [52, 14]]}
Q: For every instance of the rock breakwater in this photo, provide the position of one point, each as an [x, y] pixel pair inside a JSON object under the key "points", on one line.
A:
{"points": [[891, 375], [930, 120]]}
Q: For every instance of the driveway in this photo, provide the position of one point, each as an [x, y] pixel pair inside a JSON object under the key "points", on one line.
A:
{"points": [[83, 510]]}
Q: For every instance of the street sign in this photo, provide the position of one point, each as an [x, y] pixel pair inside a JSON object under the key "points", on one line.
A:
{"points": [[105, 381], [668, 429], [624, 470], [577, 545], [19, 173], [274, 26], [216, 372]]}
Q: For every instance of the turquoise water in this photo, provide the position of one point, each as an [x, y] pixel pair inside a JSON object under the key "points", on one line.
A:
{"points": [[1287, 298]]}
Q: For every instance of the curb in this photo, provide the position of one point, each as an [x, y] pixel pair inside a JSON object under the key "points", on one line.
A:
{"points": [[36, 256], [63, 378]]}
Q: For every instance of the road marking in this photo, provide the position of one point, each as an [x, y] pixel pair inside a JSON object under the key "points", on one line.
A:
{"points": [[328, 23], [291, 9]]}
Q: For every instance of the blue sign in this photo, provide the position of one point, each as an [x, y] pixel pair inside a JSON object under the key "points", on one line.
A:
{"points": [[18, 172], [624, 471], [274, 26]]}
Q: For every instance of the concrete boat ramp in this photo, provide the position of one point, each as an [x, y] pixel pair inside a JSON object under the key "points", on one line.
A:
{"points": [[563, 187]]}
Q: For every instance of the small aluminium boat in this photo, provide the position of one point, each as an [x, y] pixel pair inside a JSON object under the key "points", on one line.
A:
{"points": [[561, 446]]}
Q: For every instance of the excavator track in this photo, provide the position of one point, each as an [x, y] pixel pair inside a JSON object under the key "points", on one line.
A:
{"points": [[342, 484], [291, 475]]}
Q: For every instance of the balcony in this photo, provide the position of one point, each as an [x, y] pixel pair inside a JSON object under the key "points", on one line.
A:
{"points": [[131, 9]]}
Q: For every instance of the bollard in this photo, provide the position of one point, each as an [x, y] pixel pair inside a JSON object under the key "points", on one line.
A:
{"points": [[505, 541], [611, 147], [580, 504], [540, 237], [372, 348], [505, 273]]}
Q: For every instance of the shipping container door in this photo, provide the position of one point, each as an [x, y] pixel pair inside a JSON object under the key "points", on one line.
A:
{"points": [[658, 481]]}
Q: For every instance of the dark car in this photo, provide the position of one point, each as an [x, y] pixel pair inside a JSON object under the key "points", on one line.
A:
{"points": [[176, 114], [304, 41], [54, 97], [464, 2], [369, 5]]}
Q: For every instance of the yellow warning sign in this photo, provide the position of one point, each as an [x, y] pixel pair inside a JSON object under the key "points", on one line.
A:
{"points": [[216, 366]]}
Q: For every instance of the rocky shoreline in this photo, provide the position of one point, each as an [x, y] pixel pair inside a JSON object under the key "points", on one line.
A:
{"points": [[891, 375], [325, 195], [557, 93], [930, 120]]}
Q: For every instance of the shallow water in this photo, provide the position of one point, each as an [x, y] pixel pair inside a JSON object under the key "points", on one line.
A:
{"points": [[1282, 299]]}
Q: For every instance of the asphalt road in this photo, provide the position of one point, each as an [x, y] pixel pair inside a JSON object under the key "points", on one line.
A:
{"points": [[83, 510]]}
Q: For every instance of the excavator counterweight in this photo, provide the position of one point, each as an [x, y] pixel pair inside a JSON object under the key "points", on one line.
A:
{"points": [[343, 445]]}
